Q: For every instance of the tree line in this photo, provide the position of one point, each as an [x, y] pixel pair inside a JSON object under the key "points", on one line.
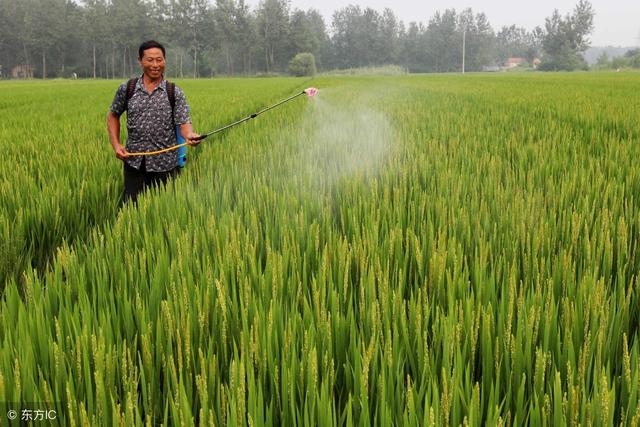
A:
{"points": [[99, 38], [631, 59]]}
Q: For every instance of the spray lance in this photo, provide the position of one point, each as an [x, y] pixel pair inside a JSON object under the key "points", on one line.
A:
{"points": [[182, 144]]}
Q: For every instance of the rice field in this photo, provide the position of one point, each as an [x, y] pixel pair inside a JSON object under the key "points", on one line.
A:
{"points": [[415, 250]]}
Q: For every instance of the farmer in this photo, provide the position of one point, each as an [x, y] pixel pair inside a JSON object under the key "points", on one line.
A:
{"points": [[151, 123]]}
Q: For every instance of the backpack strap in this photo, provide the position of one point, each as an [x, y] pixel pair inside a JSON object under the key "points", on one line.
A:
{"points": [[131, 87], [171, 93]]}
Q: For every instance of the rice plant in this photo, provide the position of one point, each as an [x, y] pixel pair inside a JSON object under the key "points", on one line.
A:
{"points": [[414, 250]]}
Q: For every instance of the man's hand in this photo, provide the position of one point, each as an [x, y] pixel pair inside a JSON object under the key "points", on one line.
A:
{"points": [[192, 138], [186, 130], [121, 152]]}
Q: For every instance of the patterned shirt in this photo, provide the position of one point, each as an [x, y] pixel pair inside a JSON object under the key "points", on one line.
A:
{"points": [[149, 124]]}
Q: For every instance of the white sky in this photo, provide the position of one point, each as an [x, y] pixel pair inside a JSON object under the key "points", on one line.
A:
{"points": [[617, 22]]}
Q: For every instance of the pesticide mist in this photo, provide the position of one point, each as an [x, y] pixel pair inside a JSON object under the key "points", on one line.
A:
{"points": [[343, 140]]}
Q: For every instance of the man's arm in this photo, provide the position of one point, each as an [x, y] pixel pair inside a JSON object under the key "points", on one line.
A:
{"points": [[113, 128], [182, 118]]}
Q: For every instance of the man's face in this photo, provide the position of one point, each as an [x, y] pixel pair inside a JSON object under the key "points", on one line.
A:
{"points": [[152, 63]]}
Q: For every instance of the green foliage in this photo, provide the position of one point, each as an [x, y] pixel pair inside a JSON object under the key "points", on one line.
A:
{"points": [[565, 59], [631, 59], [308, 34], [512, 41], [619, 62], [565, 39], [603, 61], [443, 41], [99, 38], [411, 250], [272, 20], [303, 64]]}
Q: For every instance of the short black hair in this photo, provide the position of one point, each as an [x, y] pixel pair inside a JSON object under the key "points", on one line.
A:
{"points": [[150, 44]]}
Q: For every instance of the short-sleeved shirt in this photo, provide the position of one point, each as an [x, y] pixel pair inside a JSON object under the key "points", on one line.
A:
{"points": [[150, 126]]}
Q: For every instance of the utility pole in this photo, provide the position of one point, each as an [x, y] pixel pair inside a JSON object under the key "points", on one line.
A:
{"points": [[464, 43]]}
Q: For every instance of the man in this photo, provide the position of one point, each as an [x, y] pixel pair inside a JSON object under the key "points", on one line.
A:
{"points": [[151, 123]]}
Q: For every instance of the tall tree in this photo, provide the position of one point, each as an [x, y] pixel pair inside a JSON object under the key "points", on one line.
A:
{"points": [[246, 28], [358, 39], [510, 41], [226, 32], [70, 50], [413, 54], [184, 33], [321, 42], [444, 42], [388, 48], [344, 28], [95, 25], [198, 30], [273, 32], [566, 38], [477, 39], [307, 33], [45, 21], [129, 23], [516, 41], [13, 35], [534, 45]]}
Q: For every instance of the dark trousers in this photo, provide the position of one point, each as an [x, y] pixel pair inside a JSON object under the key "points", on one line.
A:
{"points": [[138, 180]]}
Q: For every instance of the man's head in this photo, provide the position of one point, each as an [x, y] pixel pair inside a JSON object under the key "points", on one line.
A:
{"points": [[151, 58]]}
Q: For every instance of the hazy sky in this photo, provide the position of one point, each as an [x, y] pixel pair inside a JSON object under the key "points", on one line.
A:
{"points": [[617, 22]]}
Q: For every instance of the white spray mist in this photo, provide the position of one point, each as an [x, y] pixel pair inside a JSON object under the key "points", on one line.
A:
{"points": [[343, 138]]}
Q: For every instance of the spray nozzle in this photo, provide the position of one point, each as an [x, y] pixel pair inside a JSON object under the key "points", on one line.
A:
{"points": [[312, 91]]}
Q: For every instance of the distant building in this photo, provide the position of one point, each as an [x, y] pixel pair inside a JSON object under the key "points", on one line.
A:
{"points": [[22, 72], [514, 62]]}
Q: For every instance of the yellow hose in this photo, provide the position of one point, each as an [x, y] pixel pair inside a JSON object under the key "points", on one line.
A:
{"points": [[151, 153]]}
